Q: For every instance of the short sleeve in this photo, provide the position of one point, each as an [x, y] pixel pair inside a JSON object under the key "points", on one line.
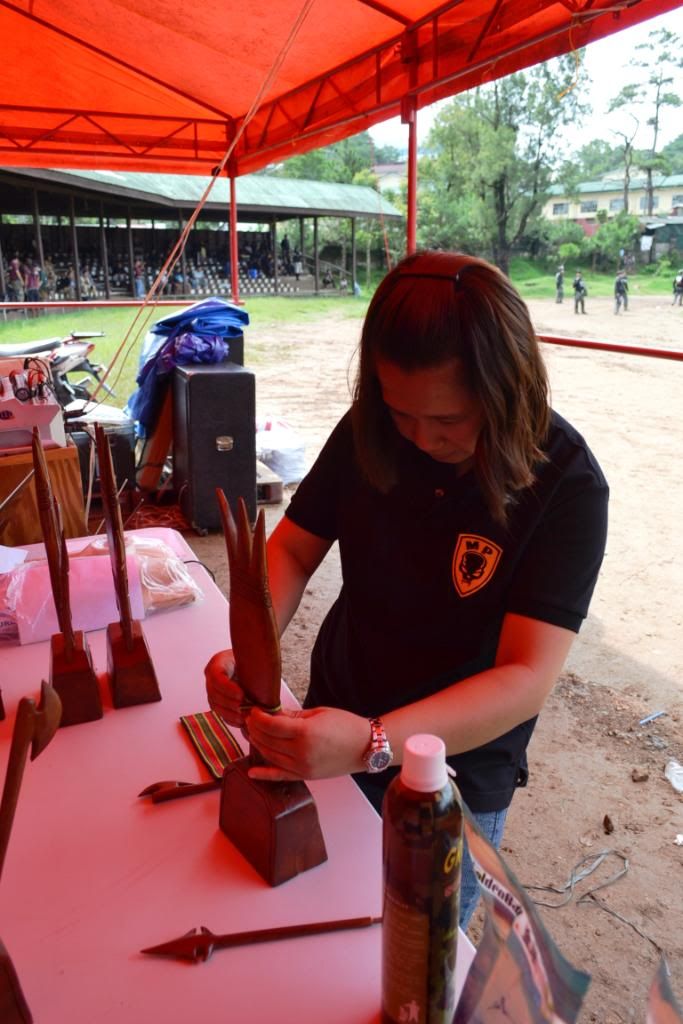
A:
{"points": [[315, 504], [555, 579]]}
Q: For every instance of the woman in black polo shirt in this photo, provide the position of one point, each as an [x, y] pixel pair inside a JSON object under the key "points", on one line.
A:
{"points": [[471, 522]]}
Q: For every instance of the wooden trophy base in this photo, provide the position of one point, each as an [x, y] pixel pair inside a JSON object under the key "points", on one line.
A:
{"points": [[75, 680], [274, 825], [131, 673], [13, 1006]]}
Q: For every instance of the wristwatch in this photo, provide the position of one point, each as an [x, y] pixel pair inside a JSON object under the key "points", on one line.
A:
{"points": [[379, 754]]}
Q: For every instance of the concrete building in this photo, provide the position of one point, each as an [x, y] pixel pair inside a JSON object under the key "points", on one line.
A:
{"points": [[607, 194]]}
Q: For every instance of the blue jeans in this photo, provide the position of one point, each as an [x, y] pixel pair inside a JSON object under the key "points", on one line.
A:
{"points": [[491, 824]]}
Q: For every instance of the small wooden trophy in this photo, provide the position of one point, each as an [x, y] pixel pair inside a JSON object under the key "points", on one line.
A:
{"points": [[71, 668], [34, 727], [273, 824], [131, 673]]}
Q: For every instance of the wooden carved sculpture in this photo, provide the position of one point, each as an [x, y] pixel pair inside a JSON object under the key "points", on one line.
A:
{"points": [[273, 824], [71, 668], [34, 728], [131, 673]]}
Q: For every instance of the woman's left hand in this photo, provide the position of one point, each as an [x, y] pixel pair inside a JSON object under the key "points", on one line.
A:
{"points": [[319, 743]]}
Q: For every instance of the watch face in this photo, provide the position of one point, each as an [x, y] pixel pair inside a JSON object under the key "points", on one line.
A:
{"points": [[379, 760]]}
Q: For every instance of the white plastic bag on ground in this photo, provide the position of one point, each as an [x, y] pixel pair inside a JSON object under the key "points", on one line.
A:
{"points": [[281, 449], [674, 773]]}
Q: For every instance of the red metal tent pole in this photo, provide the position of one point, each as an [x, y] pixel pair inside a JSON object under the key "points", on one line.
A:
{"points": [[608, 346], [409, 117], [234, 248]]}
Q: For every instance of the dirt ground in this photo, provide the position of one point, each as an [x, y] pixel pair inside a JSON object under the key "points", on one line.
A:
{"points": [[597, 775]]}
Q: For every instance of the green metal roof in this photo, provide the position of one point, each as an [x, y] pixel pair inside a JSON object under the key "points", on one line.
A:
{"points": [[257, 192], [617, 184]]}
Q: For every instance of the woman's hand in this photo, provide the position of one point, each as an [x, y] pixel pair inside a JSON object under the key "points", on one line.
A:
{"points": [[319, 743], [226, 697]]}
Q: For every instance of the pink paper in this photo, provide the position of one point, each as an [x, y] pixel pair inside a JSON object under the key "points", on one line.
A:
{"points": [[93, 600]]}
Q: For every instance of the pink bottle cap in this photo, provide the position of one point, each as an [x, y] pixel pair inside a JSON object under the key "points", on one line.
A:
{"points": [[424, 763]]}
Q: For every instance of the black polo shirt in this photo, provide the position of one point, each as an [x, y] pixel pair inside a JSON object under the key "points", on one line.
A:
{"points": [[428, 576]]}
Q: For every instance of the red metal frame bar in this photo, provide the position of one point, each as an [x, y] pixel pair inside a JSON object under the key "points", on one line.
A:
{"points": [[94, 304], [388, 12], [484, 32], [234, 249], [409, 117], [608, 346]]}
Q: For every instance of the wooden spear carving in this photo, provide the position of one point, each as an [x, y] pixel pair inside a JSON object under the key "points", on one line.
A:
{"points": [[131, 672], [55, 545], [253, 629], [274, 824], [34, 727], [71, 668]]}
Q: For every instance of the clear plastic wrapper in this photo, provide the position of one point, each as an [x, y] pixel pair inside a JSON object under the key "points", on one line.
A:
{"points": [[166, 582], [158, 580]]}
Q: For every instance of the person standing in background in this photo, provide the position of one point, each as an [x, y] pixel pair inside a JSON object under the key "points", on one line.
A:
{"points": [[620, 292], [139, 278], [678, 288], [559, 284], [580, 292], [16, 284]]}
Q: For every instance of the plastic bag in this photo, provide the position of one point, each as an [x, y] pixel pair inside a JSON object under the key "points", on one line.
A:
{"points": [[166, 582], [157, 579], [9, 631], [674, 773], [93, 600], [281, 449]]}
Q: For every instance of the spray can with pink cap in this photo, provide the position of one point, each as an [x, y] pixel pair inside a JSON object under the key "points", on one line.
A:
{"points": [[422, 856]]}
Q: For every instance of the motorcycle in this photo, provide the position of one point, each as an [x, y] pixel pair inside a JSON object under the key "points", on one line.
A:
{"points": [[49, 385], [39, 387], [61, 357]]}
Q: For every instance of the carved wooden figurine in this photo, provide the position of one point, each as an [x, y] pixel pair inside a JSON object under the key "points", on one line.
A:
{"points": [[129, 663], [71, 668], [273, 824], [34, 727]]}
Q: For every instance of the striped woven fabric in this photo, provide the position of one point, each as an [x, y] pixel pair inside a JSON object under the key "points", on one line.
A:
{"points": [[212, 740]]}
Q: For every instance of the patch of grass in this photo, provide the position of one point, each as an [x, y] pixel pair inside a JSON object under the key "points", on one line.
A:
{"points": [[533, 282], [116, 323]]}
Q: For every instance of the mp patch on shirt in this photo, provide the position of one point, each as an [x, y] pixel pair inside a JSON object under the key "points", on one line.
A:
{"points": [[475, 560]]}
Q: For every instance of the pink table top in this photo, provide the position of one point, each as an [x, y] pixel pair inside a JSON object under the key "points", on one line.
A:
{"points": [[94, 874]]}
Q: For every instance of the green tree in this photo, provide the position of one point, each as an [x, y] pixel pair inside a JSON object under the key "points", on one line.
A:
{"points": [[595, 158], [617, 234], [493, 153], [387, 155], [552, 239], [655, 67], [673, 154], [338, 162], [627, 155]]}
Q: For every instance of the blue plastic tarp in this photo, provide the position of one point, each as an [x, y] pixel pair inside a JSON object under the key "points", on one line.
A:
{"points": [[199, 334]]}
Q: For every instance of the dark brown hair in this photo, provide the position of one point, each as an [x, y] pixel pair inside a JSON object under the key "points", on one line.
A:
{"points": [[435, 307]]}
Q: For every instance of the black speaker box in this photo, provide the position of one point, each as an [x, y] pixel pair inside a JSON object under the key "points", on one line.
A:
{"points": [[236, 349], [214, 440]]}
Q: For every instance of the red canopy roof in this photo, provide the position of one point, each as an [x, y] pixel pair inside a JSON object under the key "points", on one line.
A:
{"points": [[160, 85]]}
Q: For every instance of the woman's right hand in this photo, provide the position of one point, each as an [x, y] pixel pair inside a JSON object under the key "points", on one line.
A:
{"points": [[226, 697]]}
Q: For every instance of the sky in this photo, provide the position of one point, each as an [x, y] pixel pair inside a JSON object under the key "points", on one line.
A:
{"points": [[606, 62]]}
